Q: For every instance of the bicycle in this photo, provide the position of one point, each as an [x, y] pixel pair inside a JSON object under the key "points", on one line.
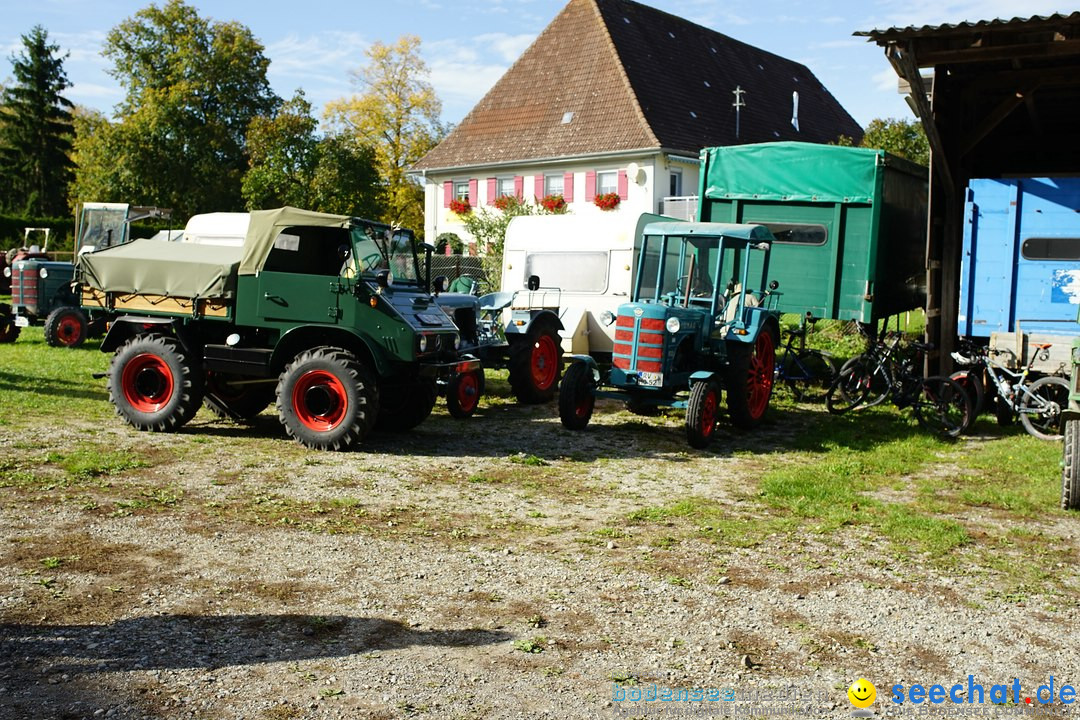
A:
{"points": [[806, 371], [1038, 404], [938, 402]]}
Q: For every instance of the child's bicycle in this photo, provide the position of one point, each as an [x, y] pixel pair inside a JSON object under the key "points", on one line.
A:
{"points": [[808, 372]]}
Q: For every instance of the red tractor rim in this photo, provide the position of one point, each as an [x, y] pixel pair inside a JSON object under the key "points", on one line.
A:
{"points": [[762, 364], [468, 392], [584, 404], [319, 400], [544, 362], [708, 413], [68, 330], [147, 383]]}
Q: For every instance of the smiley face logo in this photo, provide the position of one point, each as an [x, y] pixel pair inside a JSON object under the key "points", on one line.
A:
{"points": [[862, 693]]}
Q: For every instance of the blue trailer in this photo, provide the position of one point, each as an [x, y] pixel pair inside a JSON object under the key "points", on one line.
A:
{"points": [[1020, 276]]}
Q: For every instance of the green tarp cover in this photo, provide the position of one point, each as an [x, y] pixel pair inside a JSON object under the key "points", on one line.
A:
{"points": [[266, 225], [792, 172], [156, 267]]}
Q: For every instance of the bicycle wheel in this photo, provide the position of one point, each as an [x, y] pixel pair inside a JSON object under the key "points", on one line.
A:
{"points": [[809, 374], [973, 386], [943, 407], [850, 388], [1041, 406]]}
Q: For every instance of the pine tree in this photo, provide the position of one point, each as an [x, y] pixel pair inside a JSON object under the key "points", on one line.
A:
{"points": [[35, 131]]}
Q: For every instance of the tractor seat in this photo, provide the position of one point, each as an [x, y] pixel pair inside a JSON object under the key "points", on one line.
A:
{"points": [[1042, 346]]}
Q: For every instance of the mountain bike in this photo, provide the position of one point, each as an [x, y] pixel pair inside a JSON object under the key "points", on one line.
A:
{"points": [[808, 372], [938, 402], [1038, 403]]}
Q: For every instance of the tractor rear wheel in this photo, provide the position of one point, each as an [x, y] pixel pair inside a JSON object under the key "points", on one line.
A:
{"points": [[463, 393], [576, 400], [535, 363], [154, 385], [9, 331], [1070, 470], [701, 413], [66, 326], [325, 397], [749, 378]]}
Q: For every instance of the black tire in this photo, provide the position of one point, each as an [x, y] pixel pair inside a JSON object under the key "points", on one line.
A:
{"points": [[749, 378], [66, 326], [325, 398], [9, 331], [851, 388], [809, 373], [535, 363], [1041, 406], [576, 399], [463, 394], [973, 386], [1070, 467], [943, 407], [232, 397], [154, 385], [403, 406], [702, 412]]}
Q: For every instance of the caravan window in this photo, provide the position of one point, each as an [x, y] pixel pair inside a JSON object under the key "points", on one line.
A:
{"points": [[569, 271], [1051, 248], [798, 233]]}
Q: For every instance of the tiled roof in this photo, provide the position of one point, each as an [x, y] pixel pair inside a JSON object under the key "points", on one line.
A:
{"points": [[635, 77], [1016, 23]]}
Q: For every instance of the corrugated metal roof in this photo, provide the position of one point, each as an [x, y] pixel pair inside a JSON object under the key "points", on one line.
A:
{"points": [[967, 27]]}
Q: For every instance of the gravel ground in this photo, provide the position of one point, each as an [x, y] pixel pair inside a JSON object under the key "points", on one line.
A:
{"points": [[476, 570]]}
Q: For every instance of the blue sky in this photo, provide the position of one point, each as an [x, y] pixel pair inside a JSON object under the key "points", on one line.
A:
{"points": [[468, 44]]}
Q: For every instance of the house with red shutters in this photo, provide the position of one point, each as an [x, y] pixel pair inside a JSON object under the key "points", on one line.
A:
{"points": [[609, 108]]}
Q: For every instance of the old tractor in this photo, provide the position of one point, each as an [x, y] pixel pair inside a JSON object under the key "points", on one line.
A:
{"points": [[701, 321]]}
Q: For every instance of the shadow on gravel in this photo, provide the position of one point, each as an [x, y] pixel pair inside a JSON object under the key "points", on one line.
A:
{"points": [[191, 641]]}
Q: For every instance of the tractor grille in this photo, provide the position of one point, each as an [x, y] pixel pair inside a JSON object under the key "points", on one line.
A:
{"points": [[639, 344], [24, 288]]}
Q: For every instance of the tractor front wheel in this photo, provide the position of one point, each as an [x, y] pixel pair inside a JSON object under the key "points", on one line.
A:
{"points": [[576, 399], [66, 326], [535, 363], [324, 399], [463, 394], [701, 413], [750, 378], [1070, 467], [154, 385]]}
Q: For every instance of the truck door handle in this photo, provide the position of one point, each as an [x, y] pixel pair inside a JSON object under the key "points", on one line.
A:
{"points": [[275, 299]]}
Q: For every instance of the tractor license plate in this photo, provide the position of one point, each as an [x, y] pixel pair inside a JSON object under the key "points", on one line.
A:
{"points": [[22, 321], [651, 379]]}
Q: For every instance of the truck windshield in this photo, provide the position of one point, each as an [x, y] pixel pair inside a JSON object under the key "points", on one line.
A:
{"points": [[686, 270], [380, 247]]}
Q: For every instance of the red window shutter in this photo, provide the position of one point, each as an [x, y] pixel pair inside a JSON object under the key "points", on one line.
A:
{"points": [[519, 186], [590, 185], [491, 191], [474, 191], [624, 185], [538, 186], [447, 193], [568, 187]]}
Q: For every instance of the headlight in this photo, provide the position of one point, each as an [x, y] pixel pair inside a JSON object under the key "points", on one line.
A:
{"points": [[7, 272], [423, 343], [673, 325], [44, 273], [607, 317], [457, 341]]}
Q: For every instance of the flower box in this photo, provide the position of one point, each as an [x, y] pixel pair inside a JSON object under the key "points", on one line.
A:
{"points": [[607, 201]]}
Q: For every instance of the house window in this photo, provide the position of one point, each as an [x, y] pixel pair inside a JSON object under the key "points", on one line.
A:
{"points": [[504, 186], [607, 181], [553, 184], [676, 184], [461, 190]]}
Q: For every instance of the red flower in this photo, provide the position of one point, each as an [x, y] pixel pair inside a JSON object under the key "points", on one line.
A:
{"points": [[607, 201], [505, 201], [460, 207], [553, 203]]}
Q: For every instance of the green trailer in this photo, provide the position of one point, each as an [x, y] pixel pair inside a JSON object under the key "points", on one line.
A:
{"points": [[849, 223]]}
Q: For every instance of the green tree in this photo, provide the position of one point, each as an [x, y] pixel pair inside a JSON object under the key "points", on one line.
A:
{"points": [[905, 138], [397, 113], [192, 87], [292, 165], [35, 130], [488, 228]]}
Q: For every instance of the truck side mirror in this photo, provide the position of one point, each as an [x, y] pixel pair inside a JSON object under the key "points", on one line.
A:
{"points": [[534, 282], [439, 284]]}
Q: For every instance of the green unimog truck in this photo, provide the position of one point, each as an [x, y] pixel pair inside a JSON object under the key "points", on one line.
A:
{"points": [[330, 316]]}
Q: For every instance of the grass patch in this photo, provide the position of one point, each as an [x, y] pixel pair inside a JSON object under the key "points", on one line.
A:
{"points": [[91, 462]]}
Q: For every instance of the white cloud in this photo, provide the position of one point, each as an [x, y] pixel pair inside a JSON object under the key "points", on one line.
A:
{"points": [[885, 81], [326, 57], [88, 93]]}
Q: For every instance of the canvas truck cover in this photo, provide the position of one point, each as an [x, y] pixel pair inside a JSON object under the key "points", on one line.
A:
{"points": [[154, 267], [791, 171], [266, 225]]}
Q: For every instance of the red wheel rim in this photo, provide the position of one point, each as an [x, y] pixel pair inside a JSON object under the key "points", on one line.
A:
{"points": [[147, 383], [68, 330], [468, 392], [708, 413], [544, 362], [319, 400], [760, 382]]}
